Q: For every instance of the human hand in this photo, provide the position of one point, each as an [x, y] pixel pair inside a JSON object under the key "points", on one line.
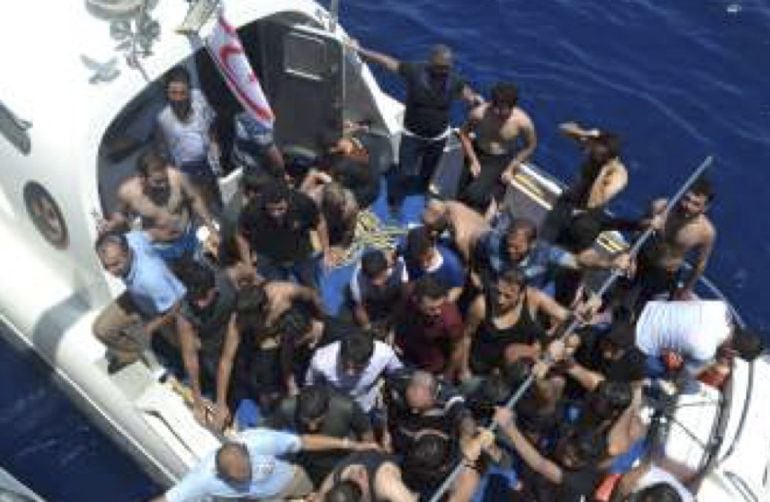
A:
{"points": [[199, 411], [684, 294], [503, 417], [475, 168], [509, 174], [540, 369], [221, 417], [364, 445], [622, 262]]}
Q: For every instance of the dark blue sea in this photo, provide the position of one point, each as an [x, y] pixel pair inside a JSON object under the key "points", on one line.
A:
{"points": [[678, 80]]}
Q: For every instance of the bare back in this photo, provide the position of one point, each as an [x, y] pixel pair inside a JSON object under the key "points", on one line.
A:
{"points": [[467, 226]]}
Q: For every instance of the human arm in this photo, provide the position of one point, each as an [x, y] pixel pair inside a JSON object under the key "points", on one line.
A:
{"points": [[575, 131], [627, 429], [528, 453], [611, 180], [189, 341], [161, 320], [387, 62], [323, 237], [319, 442], [199, 207], [471, 97], [542, 302], [527, 131], [699, 266], [474, 116], [224, 370], [389, 486]]}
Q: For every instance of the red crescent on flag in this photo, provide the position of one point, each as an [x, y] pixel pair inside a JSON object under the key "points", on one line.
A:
{"points": [[225, 53]]}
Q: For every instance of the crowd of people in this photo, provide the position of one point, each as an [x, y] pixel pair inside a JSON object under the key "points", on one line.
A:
{"points": [[383, 399]]}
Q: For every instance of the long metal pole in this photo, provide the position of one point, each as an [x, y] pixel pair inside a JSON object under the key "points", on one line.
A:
{"points": [[608, 283]]}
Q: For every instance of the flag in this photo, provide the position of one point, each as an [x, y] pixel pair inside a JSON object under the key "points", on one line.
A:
{"points": [[227, 51]]}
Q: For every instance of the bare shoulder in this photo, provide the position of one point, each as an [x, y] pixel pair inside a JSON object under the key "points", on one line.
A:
{"points": [[175, 175], [130, 188], [477, 112], [522, 118], [707, 230]]}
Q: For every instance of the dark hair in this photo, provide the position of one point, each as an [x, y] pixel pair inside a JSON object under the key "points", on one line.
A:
{"points": [[197, 278], [441, 50], [428, 286], [505, 93], [427, 457], [588, 446], [609, 399], [344, 491], [254, 182], [524, 225], [111, 238], [373, 263], [357, 348], [250, 307], [703, 187], [659, 492], [229, 447], [275, 191], [312, 402], [622, 335], [178, 74], [747, 343], [418, 241], [494, 391], [604, 147], [295, 322], [514, 277], [150, 161]]}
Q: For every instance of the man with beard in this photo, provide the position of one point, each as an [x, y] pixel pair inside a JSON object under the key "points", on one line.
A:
{"points": [[185, 128], [494, 156], [431, 87], [685, 230], [164, 200], [275, 233]]}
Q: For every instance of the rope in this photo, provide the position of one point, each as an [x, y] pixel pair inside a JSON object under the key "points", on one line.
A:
{"points": [[608, 283], [370, 233]]}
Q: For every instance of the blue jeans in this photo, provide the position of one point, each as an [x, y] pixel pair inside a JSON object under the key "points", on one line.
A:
{"points": [[417, 160]]}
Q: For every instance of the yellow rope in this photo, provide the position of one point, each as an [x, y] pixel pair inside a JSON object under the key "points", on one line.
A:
{"points": [[370, 232]]}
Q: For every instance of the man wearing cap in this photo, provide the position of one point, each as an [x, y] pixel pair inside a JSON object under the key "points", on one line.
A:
{"points": [[431, 87], [252, 467]]}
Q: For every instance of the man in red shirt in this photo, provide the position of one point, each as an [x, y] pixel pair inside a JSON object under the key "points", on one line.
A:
{"points": [[430, 330]]}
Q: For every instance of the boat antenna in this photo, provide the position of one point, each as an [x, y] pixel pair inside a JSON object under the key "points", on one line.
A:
{"points": [[575, 321]]}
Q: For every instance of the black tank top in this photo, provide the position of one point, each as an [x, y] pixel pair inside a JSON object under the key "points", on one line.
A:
{"points": [[525, 330], [372, 460]]}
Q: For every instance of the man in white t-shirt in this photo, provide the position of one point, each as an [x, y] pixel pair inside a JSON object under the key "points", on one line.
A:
{"points": [[692, 329], [185, 127], [354, 366]]}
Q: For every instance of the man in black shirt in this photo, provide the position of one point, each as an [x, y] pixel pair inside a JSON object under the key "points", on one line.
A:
{"points": [[275, 229], [320, 410], [202, 322], [571, 477], [431, 87]]}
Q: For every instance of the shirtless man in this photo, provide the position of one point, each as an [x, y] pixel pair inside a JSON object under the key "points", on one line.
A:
{"points": [[493, 157], [688, 230], [164, 199], [464, 224], [259, 307]]}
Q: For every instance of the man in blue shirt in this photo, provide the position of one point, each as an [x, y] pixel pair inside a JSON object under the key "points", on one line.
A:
{"points": [[423, 256], [150, 301], [517, 247], [252, 467]]}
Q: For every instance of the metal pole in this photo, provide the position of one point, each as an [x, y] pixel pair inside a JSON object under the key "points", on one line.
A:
{"points": [[334, 13], [575, 321]]}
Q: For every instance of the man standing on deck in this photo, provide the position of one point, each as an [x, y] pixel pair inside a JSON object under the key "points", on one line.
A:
{"points": [[494, 156], [431, 87], [185, 128]]}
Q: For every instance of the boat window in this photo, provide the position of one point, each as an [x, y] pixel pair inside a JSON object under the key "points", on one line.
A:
{"points": [[305, 56]]}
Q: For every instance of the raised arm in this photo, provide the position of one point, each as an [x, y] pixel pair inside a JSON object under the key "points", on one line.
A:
{"points": [[387, 62], [188, 339]]}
